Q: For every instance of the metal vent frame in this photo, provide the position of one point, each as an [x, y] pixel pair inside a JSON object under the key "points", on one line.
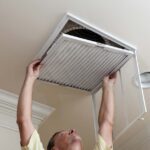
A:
{"points": [[63, 26]]}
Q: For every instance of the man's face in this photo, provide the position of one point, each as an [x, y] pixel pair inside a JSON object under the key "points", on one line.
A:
{"points": [[68, 140]]}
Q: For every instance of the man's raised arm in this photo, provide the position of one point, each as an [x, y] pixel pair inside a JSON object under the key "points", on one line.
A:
{"points": [[106, 112], [24, 108]]}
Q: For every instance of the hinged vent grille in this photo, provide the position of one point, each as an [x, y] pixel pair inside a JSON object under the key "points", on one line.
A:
{"points": [[78, 57]]}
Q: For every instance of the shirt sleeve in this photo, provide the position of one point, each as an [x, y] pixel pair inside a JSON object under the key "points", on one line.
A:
{"points": [[101, 144], [34, 143]]}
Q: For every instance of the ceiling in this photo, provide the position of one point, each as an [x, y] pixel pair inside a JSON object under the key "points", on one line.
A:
{"points": [[26, 25]]}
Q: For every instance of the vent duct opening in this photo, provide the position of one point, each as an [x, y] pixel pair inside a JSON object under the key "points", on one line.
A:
{"points": [[74, 29], [87, 34]]}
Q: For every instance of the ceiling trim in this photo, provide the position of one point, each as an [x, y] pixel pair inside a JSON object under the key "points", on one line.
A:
{"points": [[8, 109]]}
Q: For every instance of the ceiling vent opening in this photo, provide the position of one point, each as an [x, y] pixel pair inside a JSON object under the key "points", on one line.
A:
{"points": [[74, 29], [79, 55]]}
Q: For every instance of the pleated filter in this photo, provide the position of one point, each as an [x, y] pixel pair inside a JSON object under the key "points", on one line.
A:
{"points": [[76, 55]]}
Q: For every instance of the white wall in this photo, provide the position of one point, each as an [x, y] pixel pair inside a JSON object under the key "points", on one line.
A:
{"points": [[9, 139]]}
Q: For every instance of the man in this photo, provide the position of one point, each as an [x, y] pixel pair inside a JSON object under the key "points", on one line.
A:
{"points": [[63, 140]]}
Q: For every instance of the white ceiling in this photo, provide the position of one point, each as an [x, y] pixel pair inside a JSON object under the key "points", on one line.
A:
{"points": [[26, 25]]}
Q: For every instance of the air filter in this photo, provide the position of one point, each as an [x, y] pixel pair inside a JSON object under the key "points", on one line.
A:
{"points": [[79, 56]]}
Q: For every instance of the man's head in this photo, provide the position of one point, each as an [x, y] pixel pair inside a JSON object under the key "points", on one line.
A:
{"points": [[65, 140]]}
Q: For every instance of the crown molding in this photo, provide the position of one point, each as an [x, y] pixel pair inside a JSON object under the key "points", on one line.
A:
{"points": [[8, 109]]}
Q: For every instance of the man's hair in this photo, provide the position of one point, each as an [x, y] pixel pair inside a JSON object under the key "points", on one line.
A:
{"points": [[52, 141]]}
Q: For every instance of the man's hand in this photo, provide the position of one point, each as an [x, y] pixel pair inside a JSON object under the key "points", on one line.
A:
{"points": [[110, 80], [33, 69]]}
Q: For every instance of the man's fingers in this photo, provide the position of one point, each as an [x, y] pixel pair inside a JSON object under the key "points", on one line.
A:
{"points": [[39, 66], [35, 62], [113, 76]]}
